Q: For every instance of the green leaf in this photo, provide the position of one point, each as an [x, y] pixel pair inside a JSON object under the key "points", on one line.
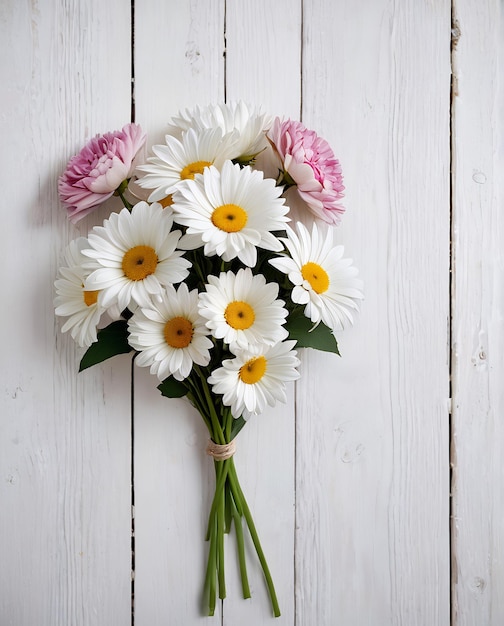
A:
{"points": [[238, 424], [307, 335], [111, 341], [171, 388]]}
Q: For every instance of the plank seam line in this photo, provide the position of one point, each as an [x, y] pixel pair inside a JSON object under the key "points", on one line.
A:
{"points": [[224, 71], [132, 385], [132, 477], [295, 537], [132, 87], [454, 38], [224, 52]]}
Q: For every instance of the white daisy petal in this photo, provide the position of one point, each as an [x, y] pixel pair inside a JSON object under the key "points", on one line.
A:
{"points": [[232, 211], [323, 281], [82, 307], [243, 310], [133, 256], [170, 334], [249, 124], [256, 379], [182, 158]]}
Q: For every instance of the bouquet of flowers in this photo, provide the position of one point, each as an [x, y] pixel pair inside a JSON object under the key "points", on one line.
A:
{"points": [[221, 265]]}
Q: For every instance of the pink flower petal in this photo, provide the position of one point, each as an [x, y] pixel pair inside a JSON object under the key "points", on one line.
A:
{"points": [[92, 176], [310, 162]]}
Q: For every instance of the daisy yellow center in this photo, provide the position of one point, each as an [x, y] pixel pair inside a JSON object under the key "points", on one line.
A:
{"points": [[229, 217], [167, 201], [239, 315], [178, 332], [90, 297], [139, 262], [316, 276], [194, 168], [253, 370]]}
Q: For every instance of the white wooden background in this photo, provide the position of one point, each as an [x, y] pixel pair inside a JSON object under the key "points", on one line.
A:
{"points": [[376, 504]]}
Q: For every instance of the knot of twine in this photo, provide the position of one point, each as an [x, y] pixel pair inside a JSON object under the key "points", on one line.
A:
{"points": [[221, 452]]}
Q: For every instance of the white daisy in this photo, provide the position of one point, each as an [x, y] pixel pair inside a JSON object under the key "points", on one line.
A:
{"points": [[322, 278], [254, 379], [242, 309], [231, 213], [170, 334], [134, 256], [182, 159], [82, 307], [250, 123]]}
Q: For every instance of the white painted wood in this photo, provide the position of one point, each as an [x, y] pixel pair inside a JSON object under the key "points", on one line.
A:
{"points": [[349, 482], [478, 337], [179, 63], [263, 56], [372, 542], [179, 59], [173, 477], [258, 33], [173, 482], [64, 438]]}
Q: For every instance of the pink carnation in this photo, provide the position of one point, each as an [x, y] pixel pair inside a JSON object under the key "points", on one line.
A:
{"points": [[93, 175], [309, 162]]}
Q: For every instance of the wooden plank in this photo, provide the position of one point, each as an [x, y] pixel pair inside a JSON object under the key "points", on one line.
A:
{"points": [[169, 440], [173, 491], [179, 59], [65, 451], [379, 94], [174, 485], [478, 337], [263, 55], [257, 36], [372, 542], [179, 63]]}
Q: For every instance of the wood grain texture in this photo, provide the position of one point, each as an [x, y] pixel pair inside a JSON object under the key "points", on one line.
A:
{"points": [[478, 337], [170, 438], [258, 35], [372, 543], [179, 59], [179, 63], [349, 481], [263, 55], [64, 462]]}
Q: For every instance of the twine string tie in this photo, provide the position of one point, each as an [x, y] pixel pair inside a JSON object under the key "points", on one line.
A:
{"points": [[220, 452]]}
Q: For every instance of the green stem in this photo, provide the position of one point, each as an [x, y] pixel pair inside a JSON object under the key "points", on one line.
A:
{"points": [[221, 476], [217, 434], [120, 192], [221, 527], [228, 501], [198, 401], [238, 494], [240, 545], [285, 179], [210, 575], [199, 271], [228, 424], [228, 506], [126, 203]]}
